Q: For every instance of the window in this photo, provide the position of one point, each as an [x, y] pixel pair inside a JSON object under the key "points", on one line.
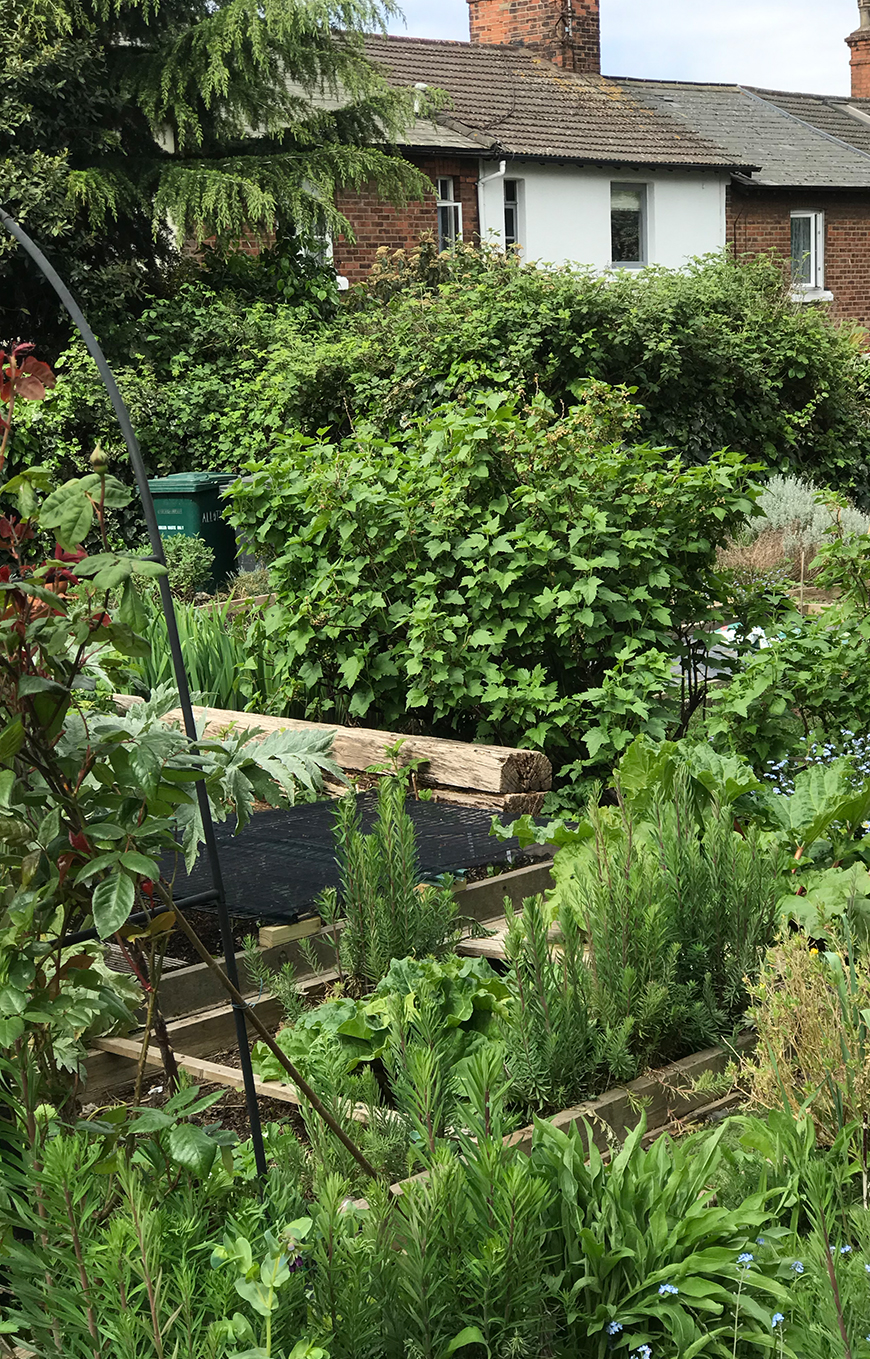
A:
{"points": [[628, 212], [808, 251], [511, 212], [449, 216]]}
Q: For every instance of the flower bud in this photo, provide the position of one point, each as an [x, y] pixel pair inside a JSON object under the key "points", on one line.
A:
{"points": [[99, 461]]}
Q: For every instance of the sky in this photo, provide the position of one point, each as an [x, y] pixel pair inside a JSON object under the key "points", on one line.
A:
{"points": [[777, 44]]}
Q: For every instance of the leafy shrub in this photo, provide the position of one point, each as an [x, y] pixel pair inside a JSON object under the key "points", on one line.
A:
{"points": [[190, 562], [720, 355], [497, 573]]}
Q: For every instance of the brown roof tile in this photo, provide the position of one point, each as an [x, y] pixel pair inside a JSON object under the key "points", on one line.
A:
{"points": [[512, 102]]}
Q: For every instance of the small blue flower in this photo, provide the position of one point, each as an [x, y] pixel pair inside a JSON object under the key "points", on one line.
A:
{"points": [[844, 1250], [776, 1320], [613, 1327], [867, 1267], [798, 1267], [668, 1288], [759, 1240], [745, 1259], [644, 1352]]}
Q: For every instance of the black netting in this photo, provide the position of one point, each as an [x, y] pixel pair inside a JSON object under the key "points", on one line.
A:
{"points": [[283, 859]]}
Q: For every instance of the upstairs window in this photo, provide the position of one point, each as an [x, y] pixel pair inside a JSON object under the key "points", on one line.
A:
{"points": [[808, 251], [449, 215], [628, 224], [511, 212]]}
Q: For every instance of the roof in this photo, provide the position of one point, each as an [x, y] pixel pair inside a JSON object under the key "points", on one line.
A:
{"points": [[797, 140], [509, 101]]}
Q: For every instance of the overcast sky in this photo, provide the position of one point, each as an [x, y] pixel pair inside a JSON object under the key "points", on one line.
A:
{"points": [[781, 44]]}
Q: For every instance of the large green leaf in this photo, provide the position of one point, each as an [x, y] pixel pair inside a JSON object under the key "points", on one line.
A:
{"points": [[192, 1148], [112, 902]]}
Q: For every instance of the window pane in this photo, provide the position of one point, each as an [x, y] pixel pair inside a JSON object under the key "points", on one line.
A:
{"points": [[802, 250], [445, 190], [448, 227], [510, 224], [626, 225], [510, 191]]}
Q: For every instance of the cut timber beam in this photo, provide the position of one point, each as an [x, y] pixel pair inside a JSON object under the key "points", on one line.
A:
{"points": [[448, 764]]}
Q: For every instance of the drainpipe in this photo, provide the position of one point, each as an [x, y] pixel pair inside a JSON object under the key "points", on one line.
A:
{"points": [[481, 197]]}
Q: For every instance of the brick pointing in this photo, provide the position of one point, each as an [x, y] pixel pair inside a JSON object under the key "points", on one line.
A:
{"points": [[859, 42], [377, 223], [760, 222], [567, 32]]}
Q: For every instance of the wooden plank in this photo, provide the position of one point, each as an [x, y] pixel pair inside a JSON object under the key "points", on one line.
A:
{"points": [[270, 935], [197, 988], [213, 1073], [450, 764], [492, 946], [200, 1034], [667, 1094]]}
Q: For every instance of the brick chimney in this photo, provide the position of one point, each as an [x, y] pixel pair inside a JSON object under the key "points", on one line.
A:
{"points": [[859, 41], [565, 31]]}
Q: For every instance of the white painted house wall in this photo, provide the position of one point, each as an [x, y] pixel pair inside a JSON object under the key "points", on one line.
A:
{"points": [[565, 212]]}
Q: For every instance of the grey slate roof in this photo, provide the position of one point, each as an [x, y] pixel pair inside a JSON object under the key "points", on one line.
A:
{"points": [[509, 101], [798, 141]]}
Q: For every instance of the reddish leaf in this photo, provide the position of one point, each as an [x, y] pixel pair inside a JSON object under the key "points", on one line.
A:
{"points": [[80, 842], [33, 380]]}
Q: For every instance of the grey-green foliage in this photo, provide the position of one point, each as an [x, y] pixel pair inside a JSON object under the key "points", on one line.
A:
{"points": [[388, 912], [675, 918], [792, 505], [551, 1038]]}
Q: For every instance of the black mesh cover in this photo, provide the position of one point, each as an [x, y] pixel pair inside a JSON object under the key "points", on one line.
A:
{"points": [[283, 859]]}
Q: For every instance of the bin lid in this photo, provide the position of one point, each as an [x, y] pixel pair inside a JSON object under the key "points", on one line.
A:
{"points": [[181, 482]]}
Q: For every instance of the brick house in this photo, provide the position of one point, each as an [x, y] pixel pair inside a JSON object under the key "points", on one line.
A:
{"points": [[538, 149]]}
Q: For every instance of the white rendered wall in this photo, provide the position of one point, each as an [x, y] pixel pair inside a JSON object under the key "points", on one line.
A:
{"points": [[565, 212]]}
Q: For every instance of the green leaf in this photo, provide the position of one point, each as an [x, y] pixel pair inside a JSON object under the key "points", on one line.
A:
{"points": [[191, 1147], [11, 740], [11, 1029], [112, 902]]}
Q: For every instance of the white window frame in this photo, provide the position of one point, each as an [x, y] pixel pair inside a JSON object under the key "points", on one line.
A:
{"points": [[645, 191], [446, 201], [814, 290], [517, 205]]}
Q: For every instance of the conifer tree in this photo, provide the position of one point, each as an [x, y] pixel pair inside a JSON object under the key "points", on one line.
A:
{"points": [[130, 126]]}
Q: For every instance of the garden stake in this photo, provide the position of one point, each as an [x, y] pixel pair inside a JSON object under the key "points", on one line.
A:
{"points": [[123, 417], [256, 1023]]}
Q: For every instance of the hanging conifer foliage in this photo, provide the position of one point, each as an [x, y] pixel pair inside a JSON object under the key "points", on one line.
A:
{"points": [[128, 128]]}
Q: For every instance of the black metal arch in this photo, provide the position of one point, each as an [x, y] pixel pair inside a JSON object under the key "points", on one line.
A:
{"points": [[217, 894]]}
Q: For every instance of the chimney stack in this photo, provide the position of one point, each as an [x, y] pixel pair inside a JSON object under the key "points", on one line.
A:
{"points": [[567, 32], [859, 41]]}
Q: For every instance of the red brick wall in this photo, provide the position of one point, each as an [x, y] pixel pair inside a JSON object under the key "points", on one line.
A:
{"points": [[760, 220], [376, 223], [565, 31]]}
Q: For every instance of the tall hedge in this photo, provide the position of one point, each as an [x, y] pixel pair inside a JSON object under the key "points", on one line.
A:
{"points": [[718, 357]]}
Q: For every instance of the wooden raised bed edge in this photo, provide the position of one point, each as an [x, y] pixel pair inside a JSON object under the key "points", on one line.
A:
{"points": [[195, 987], [201, 1022], [667, 1094]]}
